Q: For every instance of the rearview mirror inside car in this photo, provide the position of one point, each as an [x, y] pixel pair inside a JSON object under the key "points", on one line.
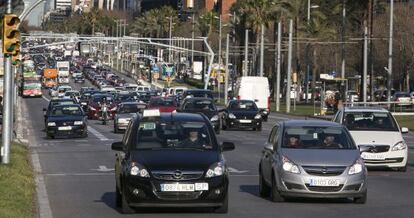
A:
{"points": [[404, 130], [228, 146], [117, 146]]}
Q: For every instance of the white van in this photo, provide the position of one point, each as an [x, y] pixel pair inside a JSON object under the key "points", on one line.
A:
{"points": [[256, 89]]}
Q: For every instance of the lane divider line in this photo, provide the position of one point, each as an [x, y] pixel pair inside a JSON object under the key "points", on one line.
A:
{"points": [[42, 197]]}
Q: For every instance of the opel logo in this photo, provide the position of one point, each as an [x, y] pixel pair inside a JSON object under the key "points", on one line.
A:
{"points": [[177, 174], [324, 170], [64, 124]]}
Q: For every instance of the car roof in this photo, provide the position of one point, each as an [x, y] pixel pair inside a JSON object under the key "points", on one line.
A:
{"points": [[132, 103], [197, 90], [321, 123], [198, 99], [187, 117], [364, 109]]}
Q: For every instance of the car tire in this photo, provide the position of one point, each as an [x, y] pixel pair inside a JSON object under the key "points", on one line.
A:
{"points": [[125, 208], [265, 118], [402, 169], [362, 199], [264, 189], [275, 194], [259, 128], [116, 129], [50, 136], [85, 134], [225, 207], [118, 197]]}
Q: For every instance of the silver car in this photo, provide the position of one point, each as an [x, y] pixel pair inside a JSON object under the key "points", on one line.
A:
{"points": [[311, 158]]}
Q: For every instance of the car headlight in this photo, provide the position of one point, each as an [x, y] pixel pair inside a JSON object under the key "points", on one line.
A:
{"points": [[258, 116], [289, 166], [51, 124], [214, 118], [231, 116], [123, 120], [265, 111], [92, 108], [356, 168], [216, 169], [77, 123], [138, 170], [83, 103], [399, 146]]}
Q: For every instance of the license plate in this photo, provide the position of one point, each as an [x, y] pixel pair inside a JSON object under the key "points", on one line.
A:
{"points": [[245, 121], [372, 156], [177, 187], [323, 182], [201, 186], [64, 128], [32, 95]]}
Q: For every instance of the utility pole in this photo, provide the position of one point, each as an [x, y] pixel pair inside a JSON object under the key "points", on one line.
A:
{"points": [[343, 91], [289, 73], [279, 44], [7, 129], [192, 41], [226, 79], [389, 82], [364, 78], [246, 54], [170, 36], [219, 53], [261, 50]]}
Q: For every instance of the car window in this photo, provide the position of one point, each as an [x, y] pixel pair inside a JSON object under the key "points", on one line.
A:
{"points": [[66, 111], [199, 105], [166, 102], [243, 105], [273, 136], [131, 108], [338, 117], [156, 134], [370, 121], [310, 137]]}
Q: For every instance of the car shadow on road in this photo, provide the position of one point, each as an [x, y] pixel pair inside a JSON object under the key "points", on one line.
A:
{"points": [[108, 199], [251, 189]]}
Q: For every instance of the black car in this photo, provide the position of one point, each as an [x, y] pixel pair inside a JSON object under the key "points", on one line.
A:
{"points": [[79, 79], [57, 101], [66, 120], [205, 106], [124, 114], [199, 93], [242, 114], [171, 160]]}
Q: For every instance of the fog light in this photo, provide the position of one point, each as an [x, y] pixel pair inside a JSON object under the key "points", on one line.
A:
{"points": [[135, 192], [217, 191]]}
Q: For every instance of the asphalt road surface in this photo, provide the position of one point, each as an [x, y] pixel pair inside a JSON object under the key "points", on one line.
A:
{"points": [[79, 178]]}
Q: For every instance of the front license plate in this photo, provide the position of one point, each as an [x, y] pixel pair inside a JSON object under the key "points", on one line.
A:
{"points": [[64, 128], [324, 182], [245, 121], [177, 187], [372, 156], [201, 186]]}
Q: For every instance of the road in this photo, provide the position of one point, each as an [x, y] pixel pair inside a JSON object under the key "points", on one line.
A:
{"points": [[79, 178]]}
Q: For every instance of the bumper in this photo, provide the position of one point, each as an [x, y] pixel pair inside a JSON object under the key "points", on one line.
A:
{"points": [[298, 185], [149, 193], [121, 125], [392, 159], [74, 131], [236, 123]]}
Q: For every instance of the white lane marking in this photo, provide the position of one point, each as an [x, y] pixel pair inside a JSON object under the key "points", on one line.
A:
{"points": [[97, 134], [233, 170], [279, 118], [238, 175], [103, 168], [42, 197]]}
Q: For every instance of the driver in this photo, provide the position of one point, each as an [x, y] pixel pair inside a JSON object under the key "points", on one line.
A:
{"points": [[294, 141], [329, 142], [193, 140]]}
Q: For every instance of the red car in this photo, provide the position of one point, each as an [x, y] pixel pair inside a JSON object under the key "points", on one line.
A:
{"points": [[95, 103], [164, 104]]}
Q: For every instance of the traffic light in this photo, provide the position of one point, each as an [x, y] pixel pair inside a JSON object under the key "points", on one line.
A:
{"points": [[11, 36], [16, 59]]}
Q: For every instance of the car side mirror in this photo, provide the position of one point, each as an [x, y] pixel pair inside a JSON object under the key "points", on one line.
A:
{"points": [[363, 149], [404, 130], [256, 100], [228, 146], [117, 146]]}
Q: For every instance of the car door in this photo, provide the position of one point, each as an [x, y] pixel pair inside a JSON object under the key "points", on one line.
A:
{"points": [[120, 162], [268, 153]]}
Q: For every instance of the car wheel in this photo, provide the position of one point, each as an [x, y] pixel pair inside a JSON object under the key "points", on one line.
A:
{"points": [[264, 189], [50, 136], [116, 129], [259, 128], [118, 197], [218, 131], [362, 199], [402, 169], [265, 118], [276, 197], [85, 134], [225, 207], [126, 209]]}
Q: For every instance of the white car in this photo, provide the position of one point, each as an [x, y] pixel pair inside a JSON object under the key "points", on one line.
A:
{"points": [[377, 134]]}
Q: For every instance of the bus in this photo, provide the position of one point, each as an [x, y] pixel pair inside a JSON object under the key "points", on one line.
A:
{"points": [[31, 86]]}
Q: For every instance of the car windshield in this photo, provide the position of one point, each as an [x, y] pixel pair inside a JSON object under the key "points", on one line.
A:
{"points": [[311, 137], [199, 105], [63, 102], [100, 98], [32, 86], [155, 134], [243, 105], [370, 121], [402, 95], [166, 102], [131, 108], [66, 111], [63, 90], [124, 97], [199, 94]]}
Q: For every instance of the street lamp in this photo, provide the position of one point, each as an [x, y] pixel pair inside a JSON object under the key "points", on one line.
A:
{"points": [[307, 54]]}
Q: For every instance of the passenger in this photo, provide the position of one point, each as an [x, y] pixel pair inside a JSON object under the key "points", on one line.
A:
{"points": [[294, 141], [329, 142]]}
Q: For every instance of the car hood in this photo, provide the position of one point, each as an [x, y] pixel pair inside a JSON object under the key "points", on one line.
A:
{"points": [[64, 118], [175, 159], [240, 114], [376, 137], [130, 115], [321, 157], [208, 113]]}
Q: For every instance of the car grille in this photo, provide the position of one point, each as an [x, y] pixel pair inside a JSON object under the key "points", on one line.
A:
{"points": [[64, 123], [323, 170], [386, 161], [355, 187], [376, 148], [172, 175], [183, 196], [324, 188]]}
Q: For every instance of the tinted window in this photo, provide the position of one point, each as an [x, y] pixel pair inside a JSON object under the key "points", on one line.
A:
{"points": [[131, 108], [370, 121], [155, 134], [199, 105], [316, 138], [242, 105], [199, 94], [100, 98], [166, 102], [66, 111]]}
